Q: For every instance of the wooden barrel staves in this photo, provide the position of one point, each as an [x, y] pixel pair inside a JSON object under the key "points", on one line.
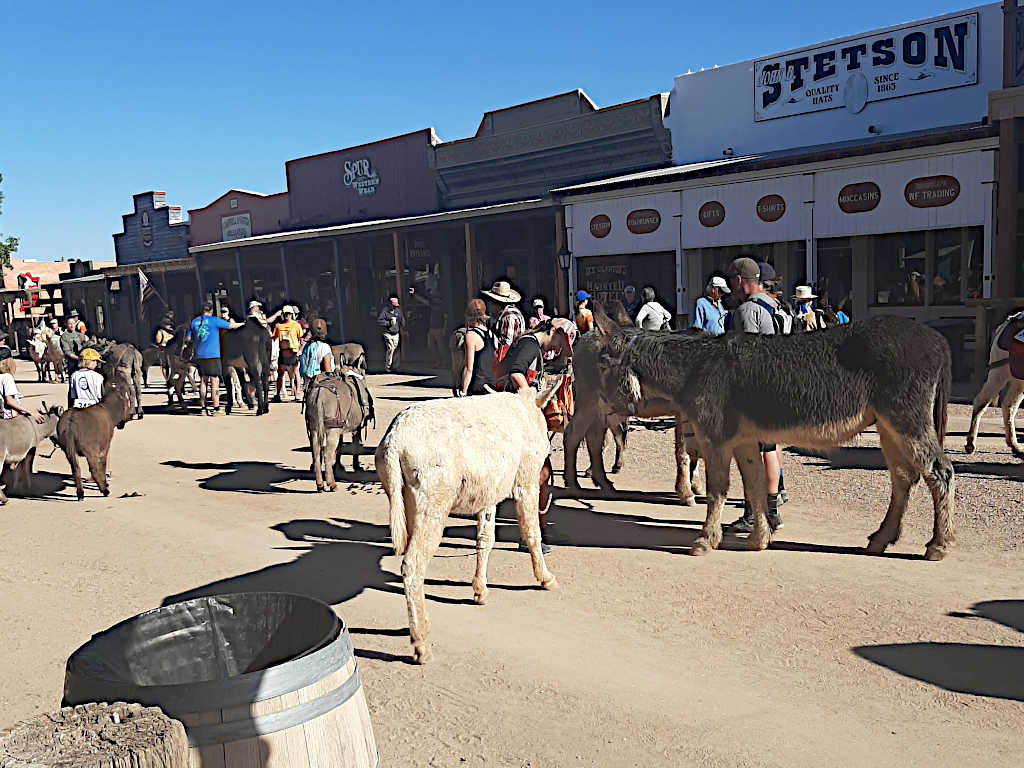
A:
{"points": [[96, 736], [258, 679]]}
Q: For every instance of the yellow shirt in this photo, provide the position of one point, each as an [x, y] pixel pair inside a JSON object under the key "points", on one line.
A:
{"points": [[289, 333]]}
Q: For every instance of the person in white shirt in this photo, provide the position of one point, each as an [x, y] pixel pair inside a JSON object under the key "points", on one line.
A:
{"points": [[10, 396], [86, 384], [652, 316]]}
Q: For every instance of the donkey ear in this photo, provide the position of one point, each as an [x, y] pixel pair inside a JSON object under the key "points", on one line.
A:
{"points": [[604, 325]]}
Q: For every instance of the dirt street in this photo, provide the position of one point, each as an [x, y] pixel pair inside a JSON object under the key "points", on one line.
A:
{"points": [[808, 654]]}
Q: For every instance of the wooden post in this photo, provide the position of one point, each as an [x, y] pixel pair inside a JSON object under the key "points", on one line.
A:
{"points": [[337, 290], [562, 287], [199, 280], [284, 274], [241, 284], [97, 734], [471, 286], [398, 266]]}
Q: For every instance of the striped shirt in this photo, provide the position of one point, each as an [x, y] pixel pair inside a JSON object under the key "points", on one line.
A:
{"points": [[510, 326]]}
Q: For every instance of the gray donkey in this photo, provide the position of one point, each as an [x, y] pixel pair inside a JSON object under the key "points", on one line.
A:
{"points": [[814, 390], [336, 404]]}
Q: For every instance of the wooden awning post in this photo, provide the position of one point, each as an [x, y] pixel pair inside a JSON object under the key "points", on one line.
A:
{"points": [[284, 275], [562, 292], [337, 290], [471, 286], [241, 285], [398, 265]]}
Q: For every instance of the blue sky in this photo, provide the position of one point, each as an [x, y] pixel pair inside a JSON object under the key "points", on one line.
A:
{"points": [[102, 100]]}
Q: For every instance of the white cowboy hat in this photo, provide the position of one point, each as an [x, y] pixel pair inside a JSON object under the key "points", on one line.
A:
{"points": [[503, 293], [803, 293]]}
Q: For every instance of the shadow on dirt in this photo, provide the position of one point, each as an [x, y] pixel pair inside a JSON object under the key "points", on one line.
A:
{"points": [[246, 476], [871, 458], [980, 670]]}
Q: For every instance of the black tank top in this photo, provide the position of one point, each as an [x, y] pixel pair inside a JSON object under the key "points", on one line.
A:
{"points": [[483, 365]]}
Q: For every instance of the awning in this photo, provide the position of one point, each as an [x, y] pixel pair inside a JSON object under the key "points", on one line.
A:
{"points": [[371, 226]]}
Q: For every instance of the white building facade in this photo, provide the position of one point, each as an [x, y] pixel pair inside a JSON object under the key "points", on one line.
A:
{"points": [[863, 166]]}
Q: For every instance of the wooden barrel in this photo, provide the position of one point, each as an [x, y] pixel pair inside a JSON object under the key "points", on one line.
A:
{"points": [[258, 679]]}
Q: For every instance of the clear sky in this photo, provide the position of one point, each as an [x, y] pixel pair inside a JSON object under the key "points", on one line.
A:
{"points": [[101, 100]]}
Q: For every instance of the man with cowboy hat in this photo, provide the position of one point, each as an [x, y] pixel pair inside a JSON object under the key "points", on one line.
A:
{"points": [[808, 318], [510, 323], [79, 325]]}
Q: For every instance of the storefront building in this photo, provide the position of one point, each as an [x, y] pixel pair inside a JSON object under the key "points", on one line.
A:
{"points": [[864, 166], [431, 221]]}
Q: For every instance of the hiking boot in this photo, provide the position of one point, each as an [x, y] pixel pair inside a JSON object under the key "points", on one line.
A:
{"points": [[277, 398], [772, 513], [783, 496], [744, 523]]}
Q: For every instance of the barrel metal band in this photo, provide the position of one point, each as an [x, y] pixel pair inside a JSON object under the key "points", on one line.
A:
{"points": [[223, 733], [179, 700]]}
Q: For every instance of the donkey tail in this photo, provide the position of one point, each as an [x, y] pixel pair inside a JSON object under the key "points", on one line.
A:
{"points": [[942, 391], [389, 469]]}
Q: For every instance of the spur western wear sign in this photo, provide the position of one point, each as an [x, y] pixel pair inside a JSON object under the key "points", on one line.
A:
{"points": [[850, 73]]}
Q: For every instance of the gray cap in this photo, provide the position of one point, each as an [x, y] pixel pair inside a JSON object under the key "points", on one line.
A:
{"points": [[746, 268]]}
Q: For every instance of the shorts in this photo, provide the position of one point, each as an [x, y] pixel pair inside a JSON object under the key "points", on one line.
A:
{"points": [[766, 447], [287, 359], [209, 366]]}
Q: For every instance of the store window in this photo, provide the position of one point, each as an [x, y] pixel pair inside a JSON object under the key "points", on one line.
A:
{"points": [[909, 269], [605, 277], [834, 284]]}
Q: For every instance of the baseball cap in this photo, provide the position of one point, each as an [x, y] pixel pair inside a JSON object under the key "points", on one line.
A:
{"points": [[538, 302], [581, 295], [719, 282], [746, 268], [90, 354], [253, 304], [766, 270]]}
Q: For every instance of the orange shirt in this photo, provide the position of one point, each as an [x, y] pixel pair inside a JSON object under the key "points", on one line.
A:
{"points": [[584, 319], [289, 334]]}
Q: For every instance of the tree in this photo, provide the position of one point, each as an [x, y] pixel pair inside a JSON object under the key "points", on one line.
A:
{"points": [[8, 245]]}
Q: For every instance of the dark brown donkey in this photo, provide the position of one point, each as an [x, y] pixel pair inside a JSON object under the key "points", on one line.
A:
{"points": [[88, 431], [595, 417], [813, 390]]}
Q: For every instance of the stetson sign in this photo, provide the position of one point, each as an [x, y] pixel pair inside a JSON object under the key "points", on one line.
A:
{"points": [[859, 198], [932, 191], [771, 208], [643, 222], [908, 60], [711, 214], [600, 226]]}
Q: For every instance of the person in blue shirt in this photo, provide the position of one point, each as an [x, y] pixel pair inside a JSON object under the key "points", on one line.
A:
{"points": [[205, 331], [708, 313]]}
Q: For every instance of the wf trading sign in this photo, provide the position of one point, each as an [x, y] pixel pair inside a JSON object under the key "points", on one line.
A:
{"points": [[917, 58]]}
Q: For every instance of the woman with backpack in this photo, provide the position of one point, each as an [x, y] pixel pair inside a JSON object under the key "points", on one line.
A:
{"points": [[652, 316], [478, 345], [316, 356]]}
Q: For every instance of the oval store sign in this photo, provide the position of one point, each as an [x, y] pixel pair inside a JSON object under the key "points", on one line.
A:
{"points": [[859, 198], [932, 191], [600, 226], [771, 208], [643, 222], [711, 214]]}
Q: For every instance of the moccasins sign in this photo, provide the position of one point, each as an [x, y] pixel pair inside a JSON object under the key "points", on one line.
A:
{"points": [[859, 198]]}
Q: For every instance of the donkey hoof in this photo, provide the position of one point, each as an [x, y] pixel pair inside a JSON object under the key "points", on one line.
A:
{"points": [[332, 487], [969, 448], [689, 501], [319, 489], [934, 552], [701, 547], [421, 653], [81, 496], [549, 582], [757, 543], [480, 598], [876, 546]]}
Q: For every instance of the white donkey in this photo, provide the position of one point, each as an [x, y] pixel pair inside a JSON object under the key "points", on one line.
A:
{"points": [[462, 455], [999, 378]]}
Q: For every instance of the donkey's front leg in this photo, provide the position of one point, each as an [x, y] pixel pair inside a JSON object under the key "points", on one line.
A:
{"points": [[684, 469], [484, 544], [716, 467]]}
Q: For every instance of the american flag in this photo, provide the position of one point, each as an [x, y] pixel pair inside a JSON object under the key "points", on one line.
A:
{"points": [[146, 291]]}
